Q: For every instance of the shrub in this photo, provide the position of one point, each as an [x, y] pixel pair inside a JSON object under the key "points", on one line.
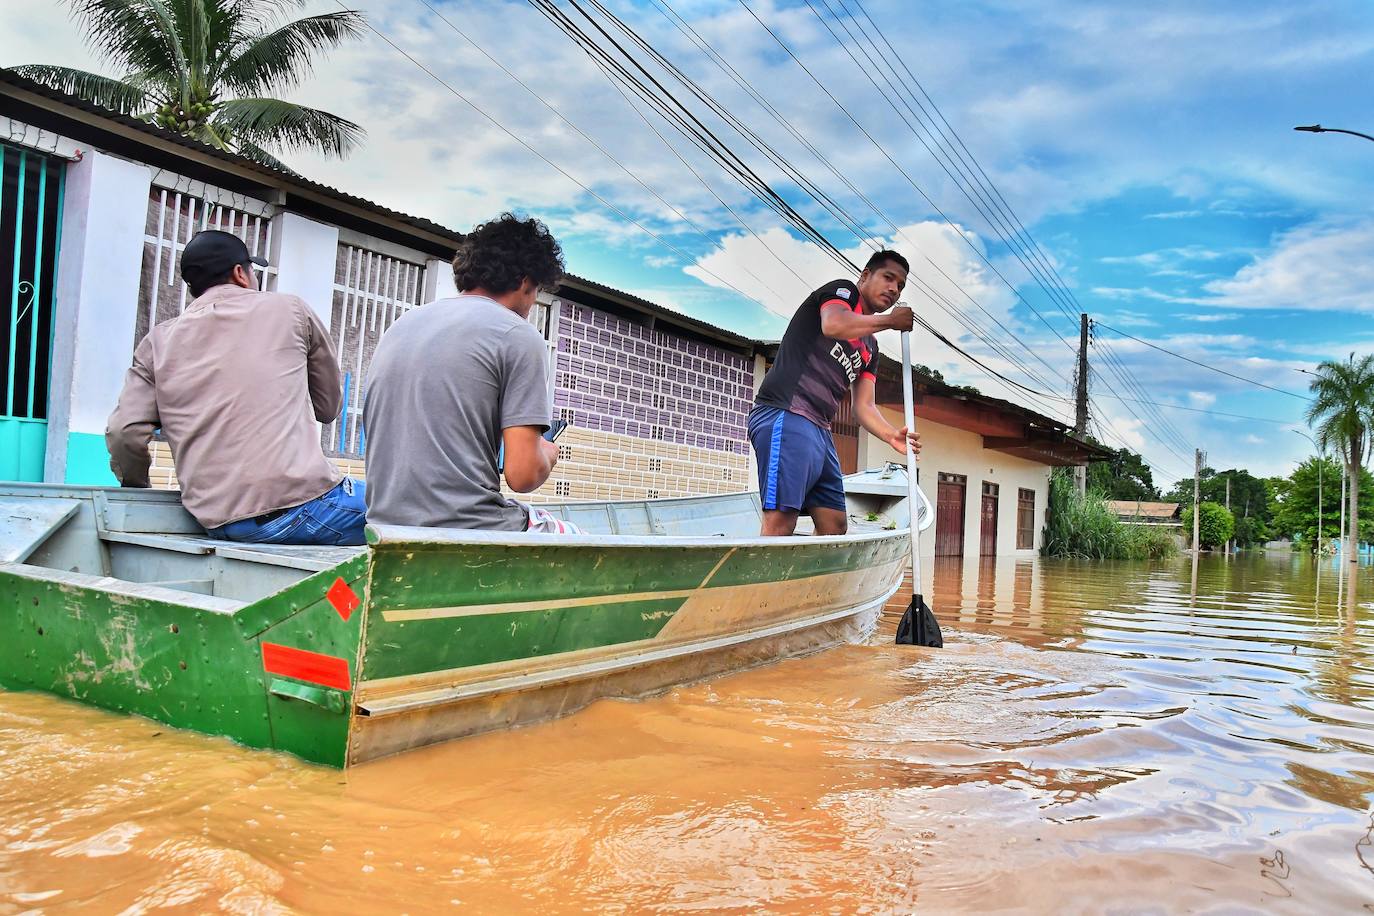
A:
{"points": [[1215, 527], [1084, 527]]}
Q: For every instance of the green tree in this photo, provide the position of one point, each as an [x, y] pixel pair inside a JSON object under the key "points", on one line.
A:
{"points": [[1252, 500], [1123, 476], [1215, 527], [1341, 412], [1295, 511], [212, 70]]}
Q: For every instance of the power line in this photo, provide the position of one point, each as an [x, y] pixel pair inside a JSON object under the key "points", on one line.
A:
{"points": [[669, 106], [1214, 413], [477, 108], [600, 148], [844, 217], [1203, 365]]}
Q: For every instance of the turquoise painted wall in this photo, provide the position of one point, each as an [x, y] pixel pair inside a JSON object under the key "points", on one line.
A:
{"points": [[88, 461], [22, 443]]}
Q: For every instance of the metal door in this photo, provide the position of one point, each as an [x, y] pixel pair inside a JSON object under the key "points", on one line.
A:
{"points": [[987, 539], [31, 188], [949, 515]]}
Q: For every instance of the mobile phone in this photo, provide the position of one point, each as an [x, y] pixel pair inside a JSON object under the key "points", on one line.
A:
{"points": [[556, 428]]}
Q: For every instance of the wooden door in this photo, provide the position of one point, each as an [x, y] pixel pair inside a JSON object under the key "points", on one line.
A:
{"points": [[949, 515], [987, 539]]}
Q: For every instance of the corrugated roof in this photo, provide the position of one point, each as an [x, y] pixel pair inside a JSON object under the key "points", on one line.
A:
{"points": [[156, 135], [1129, 508]]}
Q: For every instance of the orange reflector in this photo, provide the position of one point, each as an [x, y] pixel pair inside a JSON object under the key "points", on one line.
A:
{"points": [[304, 665]]}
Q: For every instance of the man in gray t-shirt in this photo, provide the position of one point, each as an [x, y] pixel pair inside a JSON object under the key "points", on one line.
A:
{"points": [[453, 381]]}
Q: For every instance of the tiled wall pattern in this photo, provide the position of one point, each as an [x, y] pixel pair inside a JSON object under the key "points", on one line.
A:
{"points": [[173, 217], [163, 472], [653, 414]]}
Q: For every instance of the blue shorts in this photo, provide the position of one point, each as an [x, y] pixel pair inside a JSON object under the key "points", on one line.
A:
{"points": [[798, 467]]}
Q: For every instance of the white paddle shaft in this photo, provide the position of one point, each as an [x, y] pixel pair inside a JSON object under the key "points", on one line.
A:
{"points": [[909, 417]]}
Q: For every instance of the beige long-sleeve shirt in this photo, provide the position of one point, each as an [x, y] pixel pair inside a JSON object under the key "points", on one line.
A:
{"points": [[237, 383]]}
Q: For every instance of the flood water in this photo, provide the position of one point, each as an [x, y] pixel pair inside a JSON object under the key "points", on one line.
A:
{"points": [[1091, 739]]}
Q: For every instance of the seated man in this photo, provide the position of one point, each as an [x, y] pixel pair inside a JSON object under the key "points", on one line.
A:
{"points": [[239, 383], [454, 380], [828, 352]]}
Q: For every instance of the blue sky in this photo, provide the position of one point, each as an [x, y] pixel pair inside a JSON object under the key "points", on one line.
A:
{"points": [[1147, 148]]}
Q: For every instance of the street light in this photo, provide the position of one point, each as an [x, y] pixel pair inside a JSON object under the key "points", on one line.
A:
{"points": [[1318, 129], [1321, 462]]}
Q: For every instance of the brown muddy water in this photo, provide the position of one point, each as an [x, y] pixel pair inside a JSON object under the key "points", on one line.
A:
{"points": [[1090, 740]]}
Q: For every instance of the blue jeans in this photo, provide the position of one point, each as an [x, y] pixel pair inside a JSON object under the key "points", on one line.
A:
{"points": [[335, 520]]}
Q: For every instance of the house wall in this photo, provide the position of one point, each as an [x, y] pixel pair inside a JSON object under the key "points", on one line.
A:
{"points": [[654, 412], [955, 451]]}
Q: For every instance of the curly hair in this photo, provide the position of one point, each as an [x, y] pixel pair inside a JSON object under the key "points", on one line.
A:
{"points": [[500, 254]]}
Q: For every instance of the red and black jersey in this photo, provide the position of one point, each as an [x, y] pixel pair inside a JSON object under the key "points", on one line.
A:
{"points": [[813, 372]]}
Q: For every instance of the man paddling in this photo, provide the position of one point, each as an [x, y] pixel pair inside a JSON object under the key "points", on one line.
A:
{"points": [[827, 353]]}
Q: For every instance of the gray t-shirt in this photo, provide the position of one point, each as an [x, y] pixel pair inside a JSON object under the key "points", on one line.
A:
{"points": [[445, 380]]}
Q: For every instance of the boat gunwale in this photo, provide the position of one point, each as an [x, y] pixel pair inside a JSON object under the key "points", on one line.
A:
{"points": [[125, 588], [401, 535]]}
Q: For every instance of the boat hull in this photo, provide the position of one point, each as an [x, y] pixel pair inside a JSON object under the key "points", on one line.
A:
{"points": [[630, 620], [341, 656]]}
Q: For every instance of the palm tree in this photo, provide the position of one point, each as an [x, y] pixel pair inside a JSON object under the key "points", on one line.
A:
{"points": [[209, 69], [1343, 410]]}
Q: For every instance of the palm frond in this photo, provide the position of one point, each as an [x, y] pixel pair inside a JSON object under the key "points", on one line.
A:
{"points": [[280, 59], [258, 154], [285, 125], [106, 91], [133, 35], [1342, 408]]}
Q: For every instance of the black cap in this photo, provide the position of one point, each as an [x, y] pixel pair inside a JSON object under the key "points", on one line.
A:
{"points": [[212, 254]]}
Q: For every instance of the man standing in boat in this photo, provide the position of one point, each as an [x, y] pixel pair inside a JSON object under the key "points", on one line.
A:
{"points": [[457, 382], [827, 353], [238, 384]]}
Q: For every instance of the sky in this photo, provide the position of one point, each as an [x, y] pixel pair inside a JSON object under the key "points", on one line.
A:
{"points": [[1136, 162]]}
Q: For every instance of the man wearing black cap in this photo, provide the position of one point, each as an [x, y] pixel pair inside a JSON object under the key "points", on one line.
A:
{"points": [[238, 384]]}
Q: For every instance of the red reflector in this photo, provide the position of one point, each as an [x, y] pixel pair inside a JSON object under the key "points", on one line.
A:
{"points": [[303, 665], [344, 599]]}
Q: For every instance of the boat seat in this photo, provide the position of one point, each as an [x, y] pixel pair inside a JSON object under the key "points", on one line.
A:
{"points": [[294, 556], [26, 523]]}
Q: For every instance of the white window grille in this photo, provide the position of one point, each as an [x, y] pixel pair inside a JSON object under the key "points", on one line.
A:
{"points": [[371, 291], [173, 218]]}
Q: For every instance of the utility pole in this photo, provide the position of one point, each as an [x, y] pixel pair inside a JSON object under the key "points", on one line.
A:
{"points": [[1080, 420], [1197, 499], [1228, 509]]}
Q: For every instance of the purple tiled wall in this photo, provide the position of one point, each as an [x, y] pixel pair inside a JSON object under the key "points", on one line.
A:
{"points": [[620, 377]]}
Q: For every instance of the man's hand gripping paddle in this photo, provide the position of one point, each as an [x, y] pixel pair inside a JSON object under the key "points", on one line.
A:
{"points": [[918, 626]]}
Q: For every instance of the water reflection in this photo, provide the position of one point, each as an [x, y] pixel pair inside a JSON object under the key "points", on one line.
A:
{"points": [[1094, 736]]}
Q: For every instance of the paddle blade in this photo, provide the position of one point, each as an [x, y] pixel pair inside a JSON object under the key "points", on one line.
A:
{"points": [[918, 626]]}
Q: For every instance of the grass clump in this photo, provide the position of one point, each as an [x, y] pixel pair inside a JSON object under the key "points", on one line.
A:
{"points": [[1084, 527]]}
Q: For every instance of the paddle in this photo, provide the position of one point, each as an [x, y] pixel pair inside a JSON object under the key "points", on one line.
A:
{"points": [[918, 626]]}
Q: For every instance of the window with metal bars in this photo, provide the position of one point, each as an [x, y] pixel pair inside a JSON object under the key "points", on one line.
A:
{"points": [[371, 291], [173, 218]]}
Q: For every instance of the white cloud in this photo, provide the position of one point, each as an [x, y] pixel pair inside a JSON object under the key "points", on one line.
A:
{"points": [[1202, 398], [1313, 268], [1208, 317]]}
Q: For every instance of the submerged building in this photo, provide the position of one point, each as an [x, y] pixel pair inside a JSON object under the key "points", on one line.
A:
{"points": [[96, 208]]}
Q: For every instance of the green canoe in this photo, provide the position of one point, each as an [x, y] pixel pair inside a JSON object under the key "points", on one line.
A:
{"points": [[341, 655]]}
